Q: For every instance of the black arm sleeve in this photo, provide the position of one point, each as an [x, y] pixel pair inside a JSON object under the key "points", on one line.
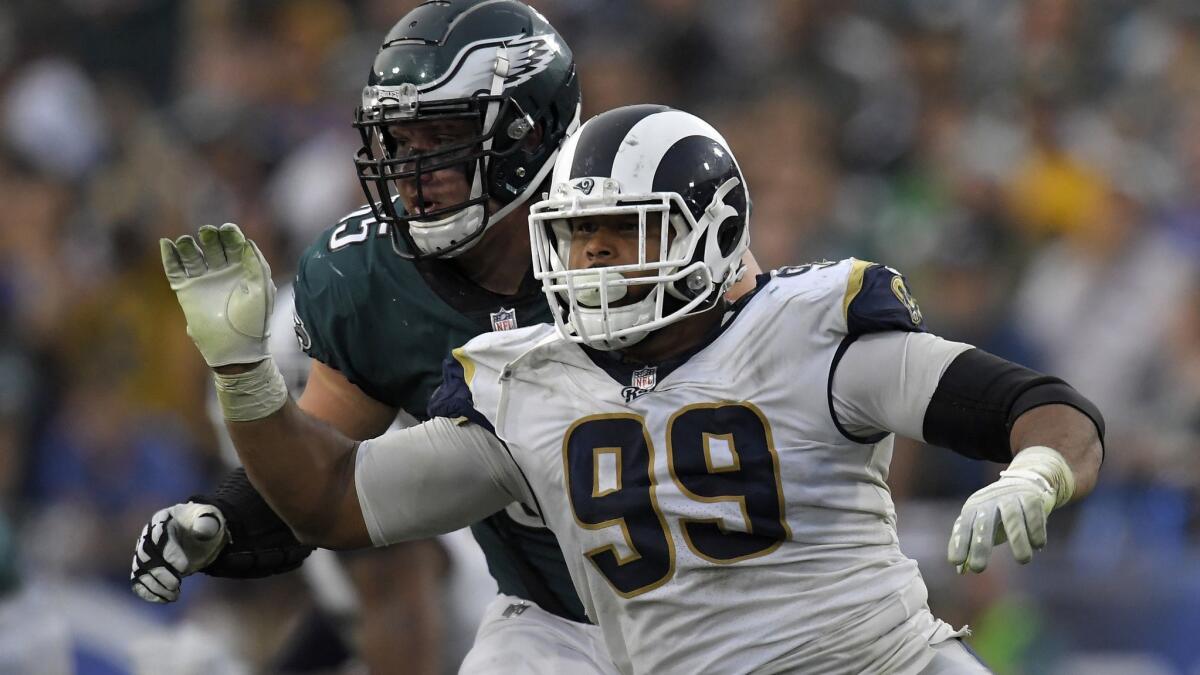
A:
{"points": [[980, 397], [261, 544]]}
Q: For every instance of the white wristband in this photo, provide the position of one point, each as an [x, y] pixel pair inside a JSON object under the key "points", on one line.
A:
{"points": [[251, 395], [1045, 463]]}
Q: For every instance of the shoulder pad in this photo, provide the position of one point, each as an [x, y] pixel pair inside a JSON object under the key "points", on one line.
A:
{"points": [[472, 374], [355, 227], [877, 300], [341, 251], [812, 279], [333, 279], [855, 296]]}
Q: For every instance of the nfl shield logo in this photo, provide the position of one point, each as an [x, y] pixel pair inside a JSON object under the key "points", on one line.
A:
{"points": [[505, 319], [645, 378]]}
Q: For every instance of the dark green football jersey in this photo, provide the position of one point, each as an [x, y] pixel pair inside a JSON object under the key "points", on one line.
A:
{"points": [[386, 324]]}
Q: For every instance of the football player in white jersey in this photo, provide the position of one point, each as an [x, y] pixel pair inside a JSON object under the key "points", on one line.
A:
{"points": [[714, 473]]}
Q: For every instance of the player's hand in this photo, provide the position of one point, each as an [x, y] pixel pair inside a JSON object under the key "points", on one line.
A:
{"points": [[224, 286], [1013, 508], [178, 541]]}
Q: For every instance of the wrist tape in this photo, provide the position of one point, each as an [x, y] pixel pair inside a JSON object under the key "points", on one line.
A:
{"points": [[1041, 463], [251, 395]]}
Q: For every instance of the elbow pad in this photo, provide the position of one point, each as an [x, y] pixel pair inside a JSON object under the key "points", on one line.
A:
{"points": [[980, 397], [261, 544]]}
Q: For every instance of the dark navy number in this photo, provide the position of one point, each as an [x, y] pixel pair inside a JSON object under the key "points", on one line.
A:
{"points": [[715, 453], [724, 453], [609, 464]]}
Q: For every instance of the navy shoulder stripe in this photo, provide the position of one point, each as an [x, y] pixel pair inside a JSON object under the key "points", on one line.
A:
{"points": [[878, 300]]}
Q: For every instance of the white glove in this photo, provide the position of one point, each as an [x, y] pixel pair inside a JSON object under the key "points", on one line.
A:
{"points": [[1014, 508], [224, 287], [178, 541]]}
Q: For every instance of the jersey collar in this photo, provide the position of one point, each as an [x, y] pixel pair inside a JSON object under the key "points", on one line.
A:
{"points": [[621, 368]]}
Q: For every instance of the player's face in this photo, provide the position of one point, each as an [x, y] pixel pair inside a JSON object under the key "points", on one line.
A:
{"points": [[441, 188], [607, 241]]}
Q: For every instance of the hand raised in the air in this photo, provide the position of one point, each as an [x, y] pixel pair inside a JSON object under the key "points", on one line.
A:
{"points": [[178, 541], [224, 286]]}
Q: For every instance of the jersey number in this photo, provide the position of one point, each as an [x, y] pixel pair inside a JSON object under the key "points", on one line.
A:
{"points": [[715, 453], [342, 236]]}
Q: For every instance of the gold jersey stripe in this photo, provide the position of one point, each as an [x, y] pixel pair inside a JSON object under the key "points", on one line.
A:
{"points": [[468, 365], [854, 284]]}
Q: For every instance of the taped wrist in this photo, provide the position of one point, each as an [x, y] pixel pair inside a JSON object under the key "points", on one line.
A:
{"points": [[251, 395], [260, 543], [1046, 463]]}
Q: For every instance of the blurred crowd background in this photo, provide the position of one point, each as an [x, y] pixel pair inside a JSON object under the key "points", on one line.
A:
{"points": [[1032, 167]]}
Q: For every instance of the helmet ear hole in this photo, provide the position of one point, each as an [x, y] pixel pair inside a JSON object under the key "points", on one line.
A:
{"points": [[727, 237], [729, 232]]}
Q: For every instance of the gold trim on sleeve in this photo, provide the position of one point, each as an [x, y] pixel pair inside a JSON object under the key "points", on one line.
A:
{"points": [[854, 284], [467, 364]]}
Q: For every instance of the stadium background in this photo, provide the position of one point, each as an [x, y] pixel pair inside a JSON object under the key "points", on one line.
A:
{"points": [[1033, 167]]}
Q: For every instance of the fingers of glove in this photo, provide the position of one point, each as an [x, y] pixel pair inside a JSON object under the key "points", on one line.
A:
{"points": [[270, 291], [233, 241], [158, 582], [158, 540], [140, 555], [983, 534], [172, 265], [154, 529], [210, 245], [147, 595], [190, 255], [1013, 517], [1035, 520], [960, 539], [257, 270]]}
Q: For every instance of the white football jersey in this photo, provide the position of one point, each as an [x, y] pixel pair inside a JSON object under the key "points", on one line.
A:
{"points": [[714, 516]]}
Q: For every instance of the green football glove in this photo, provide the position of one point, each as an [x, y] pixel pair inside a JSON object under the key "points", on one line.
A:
{"points": [[1012, 509], [224, 286]]}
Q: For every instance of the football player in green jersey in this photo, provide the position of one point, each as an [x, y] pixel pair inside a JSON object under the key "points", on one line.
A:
{"points": [[466, 105]]}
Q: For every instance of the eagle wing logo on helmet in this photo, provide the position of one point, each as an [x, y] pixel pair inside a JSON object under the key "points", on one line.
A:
{"points": [[528, 57]]}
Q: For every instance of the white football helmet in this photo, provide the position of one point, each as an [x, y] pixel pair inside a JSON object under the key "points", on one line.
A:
{"points": [[654, 162]]}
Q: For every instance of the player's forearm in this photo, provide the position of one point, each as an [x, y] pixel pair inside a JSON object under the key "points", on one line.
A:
{"points": [[330, 397], [305, 470], [1068, 431]]}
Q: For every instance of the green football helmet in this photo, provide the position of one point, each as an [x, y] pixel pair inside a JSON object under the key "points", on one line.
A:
{"points": [[496, 64]]}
